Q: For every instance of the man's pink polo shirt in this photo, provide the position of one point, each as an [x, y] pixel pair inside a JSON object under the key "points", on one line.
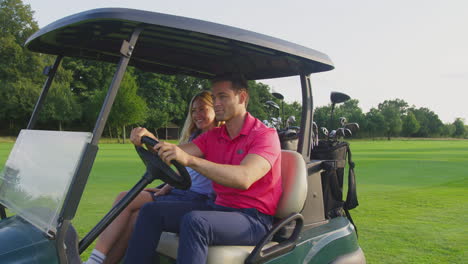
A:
{"points": [[254, 138]]}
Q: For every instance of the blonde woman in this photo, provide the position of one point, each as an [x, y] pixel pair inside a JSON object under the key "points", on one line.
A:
{"points": [[112, 243]]}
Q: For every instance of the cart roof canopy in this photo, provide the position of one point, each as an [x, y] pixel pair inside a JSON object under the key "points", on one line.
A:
{"points": [[176, 45]]}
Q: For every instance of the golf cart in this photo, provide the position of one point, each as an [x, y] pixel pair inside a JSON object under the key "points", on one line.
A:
{"points": [[44, 198]]}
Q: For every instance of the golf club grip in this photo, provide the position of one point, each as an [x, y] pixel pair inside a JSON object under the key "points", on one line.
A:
{"points": [[150, 141]]}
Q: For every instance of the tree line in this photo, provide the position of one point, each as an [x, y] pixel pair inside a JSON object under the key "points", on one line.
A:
{"points": [[155, 100], [391, 118]]}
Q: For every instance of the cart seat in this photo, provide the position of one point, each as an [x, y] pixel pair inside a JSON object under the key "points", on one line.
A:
{"points": [[294, 181]]}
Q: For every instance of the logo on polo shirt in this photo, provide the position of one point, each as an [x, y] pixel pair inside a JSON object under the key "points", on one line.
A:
{"points": [[240, 151]]}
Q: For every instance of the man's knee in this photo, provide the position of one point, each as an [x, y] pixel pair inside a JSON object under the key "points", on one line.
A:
{"points": [[195, 221]]}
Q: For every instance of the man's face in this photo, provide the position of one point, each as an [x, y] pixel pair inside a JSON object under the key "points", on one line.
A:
{"points": [[227, 103]]}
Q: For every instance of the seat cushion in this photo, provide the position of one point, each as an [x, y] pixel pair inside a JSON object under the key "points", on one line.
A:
{"points": [[216, 254], [294, 180]]}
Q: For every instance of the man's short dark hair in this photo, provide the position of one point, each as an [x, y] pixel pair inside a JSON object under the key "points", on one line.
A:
{"points": [[238, 81]]}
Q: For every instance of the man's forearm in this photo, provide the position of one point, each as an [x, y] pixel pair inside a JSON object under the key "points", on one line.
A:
{"points": [[234, 176], [242, 176]]}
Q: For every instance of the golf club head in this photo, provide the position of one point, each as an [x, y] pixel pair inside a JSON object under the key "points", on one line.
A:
{"points": [[354, 127], [296, 128], [272, 104], [347, 132], [340, 132], [332, 134], [337, 98], [278, 95], [343, 121], [324, 131]]}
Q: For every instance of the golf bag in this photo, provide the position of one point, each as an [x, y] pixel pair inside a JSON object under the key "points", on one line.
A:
{"points": [[334, 155], [288, 139]]}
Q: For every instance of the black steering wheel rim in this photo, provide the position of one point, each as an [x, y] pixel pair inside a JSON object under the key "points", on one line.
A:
{"points": [[158, 169]]}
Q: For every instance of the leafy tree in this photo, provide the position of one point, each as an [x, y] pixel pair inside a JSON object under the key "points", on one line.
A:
{"points": [[375, 124], [61, 105], [259, 94], [321, 117], [164, 101], [410, 124], [351, 111], [293, 109], [391, 111], [10, 58], [17, 100], [88, 76], [398, 104], [19, 69], [128, 107], [429, 121], [187, 87], [16, 25], [447, 130], [459, 128], [17, 20]]}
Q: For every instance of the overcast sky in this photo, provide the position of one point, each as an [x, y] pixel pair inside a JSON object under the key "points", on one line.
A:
{"points": [[413, 50]]}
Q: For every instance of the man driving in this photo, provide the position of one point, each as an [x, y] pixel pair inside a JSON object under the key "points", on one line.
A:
{"points": [[242, 158]]}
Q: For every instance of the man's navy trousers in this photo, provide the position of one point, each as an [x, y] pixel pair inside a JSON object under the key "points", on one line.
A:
{"points": [[199, 224]]}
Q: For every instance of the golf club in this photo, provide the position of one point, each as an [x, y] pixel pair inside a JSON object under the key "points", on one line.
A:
{"points": [[347, 132], [324, 131], [343, 121], [336, 98], [354, 127]]}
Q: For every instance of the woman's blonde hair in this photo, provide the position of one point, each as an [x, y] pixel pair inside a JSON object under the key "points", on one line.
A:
{"points": [[189, 126]]}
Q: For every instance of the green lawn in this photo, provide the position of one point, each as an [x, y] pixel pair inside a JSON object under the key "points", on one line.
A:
{"points": [[413, 200], [413, 197]]}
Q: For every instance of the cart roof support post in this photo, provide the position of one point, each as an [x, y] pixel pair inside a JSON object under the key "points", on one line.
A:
{"points": [[126, 51], [45, 91], [304, 145]]}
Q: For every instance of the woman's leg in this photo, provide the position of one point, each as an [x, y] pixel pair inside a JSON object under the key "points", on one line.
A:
{"points": [[117, 228], [117, 252]]}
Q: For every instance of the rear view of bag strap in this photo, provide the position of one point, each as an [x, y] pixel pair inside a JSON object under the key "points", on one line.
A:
{"points": [[351, 197]]}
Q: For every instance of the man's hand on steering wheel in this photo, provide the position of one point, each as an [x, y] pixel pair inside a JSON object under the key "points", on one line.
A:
{"points": [[168, 152]]}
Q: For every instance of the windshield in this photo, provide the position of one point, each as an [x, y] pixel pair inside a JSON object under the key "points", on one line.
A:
{"points": [[38, 172]]}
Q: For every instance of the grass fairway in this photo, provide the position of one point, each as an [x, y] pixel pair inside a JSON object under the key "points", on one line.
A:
{"points": [[413, 197], [413, 200]]}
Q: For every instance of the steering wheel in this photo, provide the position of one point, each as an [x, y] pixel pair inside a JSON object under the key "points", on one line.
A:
{"points": [[157, 169]]}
